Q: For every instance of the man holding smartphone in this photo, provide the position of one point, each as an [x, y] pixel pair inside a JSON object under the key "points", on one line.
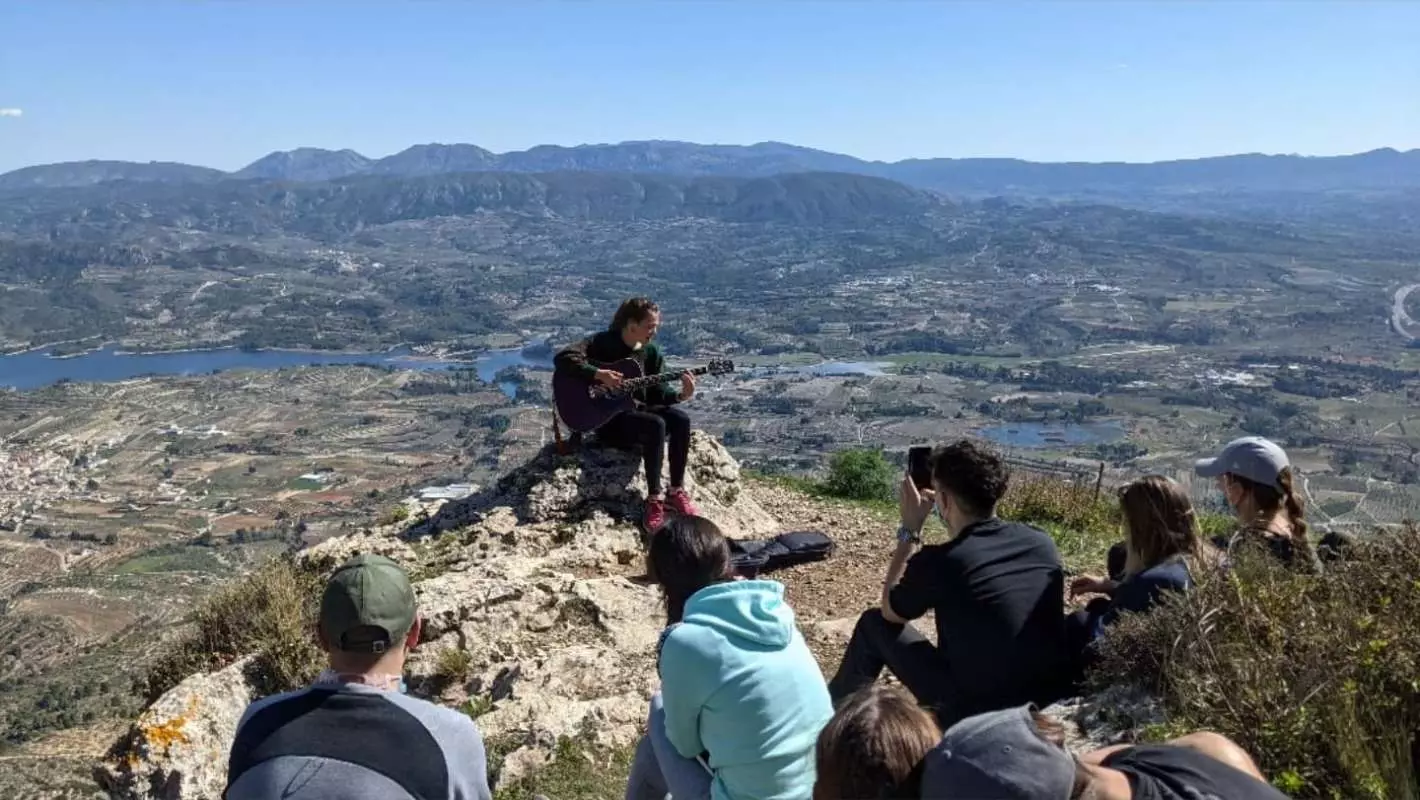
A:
{"points": [[997, 590]]}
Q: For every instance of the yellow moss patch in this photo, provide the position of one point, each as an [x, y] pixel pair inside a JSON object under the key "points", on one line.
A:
{"points": [[163, 735]]}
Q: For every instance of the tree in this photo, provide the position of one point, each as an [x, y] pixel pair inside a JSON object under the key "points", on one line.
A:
{"points": [[860, 474]]}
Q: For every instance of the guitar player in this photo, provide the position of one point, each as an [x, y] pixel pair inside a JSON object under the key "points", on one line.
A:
{"points": [[655, 421]]}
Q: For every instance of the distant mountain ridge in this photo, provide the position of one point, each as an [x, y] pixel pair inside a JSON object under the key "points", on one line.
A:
{"points": [[1383, 169], [339, 207]]}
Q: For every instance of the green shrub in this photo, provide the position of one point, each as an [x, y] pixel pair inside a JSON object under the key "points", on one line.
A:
{"points": [[1317, 676], [270, 612], [861, 474]]}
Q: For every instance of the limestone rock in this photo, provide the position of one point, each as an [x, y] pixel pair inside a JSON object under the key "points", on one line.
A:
{"points": [[1117, 715], [528, 613], [177, 750]]}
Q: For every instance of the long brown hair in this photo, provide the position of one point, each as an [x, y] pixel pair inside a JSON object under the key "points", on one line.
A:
{"points": [[1159, 523], [636, 309], [873, 746], [1268, 500], [687, 554]]}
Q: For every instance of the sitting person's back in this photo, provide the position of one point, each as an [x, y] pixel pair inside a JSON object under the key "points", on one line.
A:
{"points": [[1160, 537], [353, 735], [996, 589], [739, 686]]}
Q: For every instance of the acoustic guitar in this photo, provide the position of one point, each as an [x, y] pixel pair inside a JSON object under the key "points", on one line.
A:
{"points": [[585, 405]]}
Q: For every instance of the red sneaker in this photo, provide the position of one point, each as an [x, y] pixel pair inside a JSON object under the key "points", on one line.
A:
{"points": [[680, 503], [655, 515]]}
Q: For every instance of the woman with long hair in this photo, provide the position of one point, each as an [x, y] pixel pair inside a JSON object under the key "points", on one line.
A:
{"points": [[742, 699], [1259, 483], [1161, 537]]}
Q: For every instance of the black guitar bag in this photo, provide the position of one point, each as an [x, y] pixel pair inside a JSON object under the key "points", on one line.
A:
{"points": [[751, 557]]}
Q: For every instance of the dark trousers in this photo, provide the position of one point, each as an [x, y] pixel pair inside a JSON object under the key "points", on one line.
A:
{"points": [[877, 643], [652, 430]]}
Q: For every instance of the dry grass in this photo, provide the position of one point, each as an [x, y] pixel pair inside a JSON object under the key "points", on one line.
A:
{"points": [[1318, 677], [270, 612]]}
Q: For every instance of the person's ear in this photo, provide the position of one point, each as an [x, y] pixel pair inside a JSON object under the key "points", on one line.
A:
{"points": [[411, 639], [320, 638]]}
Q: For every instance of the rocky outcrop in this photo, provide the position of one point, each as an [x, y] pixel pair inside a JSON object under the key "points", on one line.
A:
{"points": [[536, 619], [178, 747]]}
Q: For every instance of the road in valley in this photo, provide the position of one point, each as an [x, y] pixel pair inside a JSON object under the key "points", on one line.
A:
{"points": [[1399, 319]]}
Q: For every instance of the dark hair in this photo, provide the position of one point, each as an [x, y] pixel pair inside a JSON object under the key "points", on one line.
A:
{"points": [[1270, 499], [687, 554], [1159, 522], [873, 746], [636, 309], [976, 477]]}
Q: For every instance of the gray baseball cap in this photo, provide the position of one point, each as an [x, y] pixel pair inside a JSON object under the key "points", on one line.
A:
{"points": [[998, 756], [1251, 457]]}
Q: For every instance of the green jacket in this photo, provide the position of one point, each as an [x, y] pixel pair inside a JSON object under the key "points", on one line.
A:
{"points": [[587, 355]]}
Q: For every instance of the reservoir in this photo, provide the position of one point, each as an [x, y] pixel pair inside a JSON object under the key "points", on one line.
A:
{"points": [[35, 369]]}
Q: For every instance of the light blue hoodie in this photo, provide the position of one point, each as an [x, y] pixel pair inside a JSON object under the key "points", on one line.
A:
{"points": [[739, 683]]}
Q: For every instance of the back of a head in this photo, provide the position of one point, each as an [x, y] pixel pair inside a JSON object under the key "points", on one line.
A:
{"points": [[367, 608], [686, 555], [873, 746], [1159, 522], [975, 476]]}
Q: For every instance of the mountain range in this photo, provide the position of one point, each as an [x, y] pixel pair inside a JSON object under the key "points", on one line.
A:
{"points": [[1384, 169]]}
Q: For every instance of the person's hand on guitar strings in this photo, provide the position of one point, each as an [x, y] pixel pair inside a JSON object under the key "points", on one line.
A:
{"points": [[609, 378], [687, 386]]}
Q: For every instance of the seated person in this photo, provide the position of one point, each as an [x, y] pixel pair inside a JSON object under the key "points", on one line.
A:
{"points": [[354, 734], [879, 745], [1258, 482], [1160, 535], [997, 589], [655, 422], [742, 699], [1019, 754]]}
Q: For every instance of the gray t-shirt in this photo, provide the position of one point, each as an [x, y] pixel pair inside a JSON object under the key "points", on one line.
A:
{"points": [[355, 742]]}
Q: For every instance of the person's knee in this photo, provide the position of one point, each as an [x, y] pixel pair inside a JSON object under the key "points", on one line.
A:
{"points": [[1220, 747], [676, 420], [654, 429]]}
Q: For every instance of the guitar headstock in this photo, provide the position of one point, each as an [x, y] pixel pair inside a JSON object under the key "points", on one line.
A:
{"points": [[720, 366]]}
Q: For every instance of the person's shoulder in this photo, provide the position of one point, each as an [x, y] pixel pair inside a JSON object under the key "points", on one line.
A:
{"points": [[1173, 572], [448, 726], [256, 707]]}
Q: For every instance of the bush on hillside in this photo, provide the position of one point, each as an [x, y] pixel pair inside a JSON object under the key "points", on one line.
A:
{"points": [[270, 613], [861, 474], [1318, 677]]}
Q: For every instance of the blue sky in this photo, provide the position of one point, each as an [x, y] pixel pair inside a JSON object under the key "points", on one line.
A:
{"points": [[222, 83]]}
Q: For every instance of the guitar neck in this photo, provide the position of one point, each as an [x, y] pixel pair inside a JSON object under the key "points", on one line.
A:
{"points": [[660, 377]]}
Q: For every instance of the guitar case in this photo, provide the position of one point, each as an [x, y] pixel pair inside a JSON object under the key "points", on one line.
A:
{"points": [[753, 557]]}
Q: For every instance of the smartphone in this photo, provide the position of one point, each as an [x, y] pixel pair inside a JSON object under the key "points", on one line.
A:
{"points": [[919, 466]]}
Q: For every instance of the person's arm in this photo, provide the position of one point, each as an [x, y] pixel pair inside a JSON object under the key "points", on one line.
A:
{"points": [[907, 592], [662, 394], [468, 764], [1139, 593], [683, 692], [573, 358]]}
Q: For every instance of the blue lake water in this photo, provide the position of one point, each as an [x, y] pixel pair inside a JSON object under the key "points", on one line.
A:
{"points": [[35, 369], [38, 368], [1053, 434]]}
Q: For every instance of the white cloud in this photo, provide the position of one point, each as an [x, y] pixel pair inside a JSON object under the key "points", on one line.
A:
{"points": [[12, 112]]}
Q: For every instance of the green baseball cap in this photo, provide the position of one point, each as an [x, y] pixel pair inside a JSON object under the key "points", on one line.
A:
{"points": [[368, 605]]}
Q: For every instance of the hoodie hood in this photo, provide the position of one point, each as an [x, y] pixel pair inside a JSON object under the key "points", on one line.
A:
{"points": [[750, 612]]}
